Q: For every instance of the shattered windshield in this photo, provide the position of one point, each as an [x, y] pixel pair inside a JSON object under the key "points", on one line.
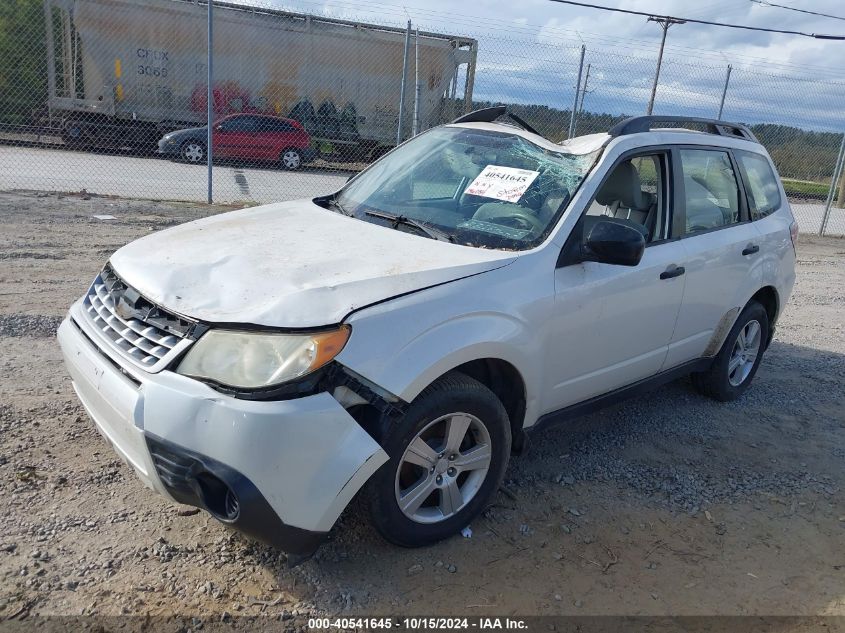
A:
{"points": [[475, 187]]}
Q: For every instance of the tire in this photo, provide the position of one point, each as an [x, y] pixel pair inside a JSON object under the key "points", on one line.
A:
{"points": [[192, 151], [75, 138], [454, 401], [290, 159], [734, 366]]}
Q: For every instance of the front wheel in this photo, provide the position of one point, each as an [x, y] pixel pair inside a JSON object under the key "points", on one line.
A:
{"points": [[291, 159], [448, 455], [736, 363], [193, 151]]}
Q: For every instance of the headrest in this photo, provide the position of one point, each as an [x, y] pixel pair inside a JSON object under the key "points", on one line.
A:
{"points": [[623, 185]]}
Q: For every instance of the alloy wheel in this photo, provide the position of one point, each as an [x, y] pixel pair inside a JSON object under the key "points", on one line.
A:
{"points": [[744, 353], [443, 468], [291, 159], [194, 152]]}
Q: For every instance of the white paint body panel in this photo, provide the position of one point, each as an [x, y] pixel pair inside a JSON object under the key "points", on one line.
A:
{"points": [[612, 325], [718, 276], [291, 265]]}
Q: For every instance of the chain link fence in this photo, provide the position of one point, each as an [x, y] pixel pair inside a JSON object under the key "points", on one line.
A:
{"points": [[112, 97]]}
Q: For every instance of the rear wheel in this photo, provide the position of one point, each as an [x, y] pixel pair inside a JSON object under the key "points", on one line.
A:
{"points": [[75, 137], [193, 151], [448, 456], [736, 363], [291, 159]]}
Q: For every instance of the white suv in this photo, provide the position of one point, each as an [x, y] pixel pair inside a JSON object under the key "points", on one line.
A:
{"points": [[402, 335]]}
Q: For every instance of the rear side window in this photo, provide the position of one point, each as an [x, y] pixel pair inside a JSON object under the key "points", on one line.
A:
{"points": [[763, 190], [710, 190]]}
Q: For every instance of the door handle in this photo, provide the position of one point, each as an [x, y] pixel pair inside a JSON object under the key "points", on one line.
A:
{"points": [[750, 249], [672, 271]]}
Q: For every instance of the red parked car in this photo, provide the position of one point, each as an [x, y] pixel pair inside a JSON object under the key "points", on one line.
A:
{"points": [[247, 136]]}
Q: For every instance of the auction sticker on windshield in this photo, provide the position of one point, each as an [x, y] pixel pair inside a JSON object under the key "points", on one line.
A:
{"points": [[502, 183]]}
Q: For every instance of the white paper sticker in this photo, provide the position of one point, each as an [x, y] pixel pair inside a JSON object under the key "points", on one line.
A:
{"points": [[502, 183]]}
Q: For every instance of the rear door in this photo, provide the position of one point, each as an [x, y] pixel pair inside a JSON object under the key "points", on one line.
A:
{"points": [[772, 217], [282, 136], [721, 251], [266, 138]]}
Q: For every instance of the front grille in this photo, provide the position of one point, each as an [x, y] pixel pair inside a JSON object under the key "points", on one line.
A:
{"points": [[137, 329]]}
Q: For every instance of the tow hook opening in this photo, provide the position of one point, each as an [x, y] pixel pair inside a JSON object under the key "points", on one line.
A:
{"points": [[219, 499]]}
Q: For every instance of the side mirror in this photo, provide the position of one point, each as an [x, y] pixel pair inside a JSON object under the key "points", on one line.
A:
{"points": [[614, 243]]}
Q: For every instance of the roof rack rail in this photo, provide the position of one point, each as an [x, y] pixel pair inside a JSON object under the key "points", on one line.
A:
{"points": [[488, 115], [636, 124]]}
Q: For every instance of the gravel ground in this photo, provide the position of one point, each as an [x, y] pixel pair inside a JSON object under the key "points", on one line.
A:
{"points": [[669, 504]]}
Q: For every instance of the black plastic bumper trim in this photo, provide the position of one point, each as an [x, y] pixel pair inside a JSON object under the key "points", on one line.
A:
{"points": [[181, 471]]}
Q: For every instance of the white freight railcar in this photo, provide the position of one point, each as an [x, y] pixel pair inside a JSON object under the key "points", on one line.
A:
{"points": [[124, 72]]}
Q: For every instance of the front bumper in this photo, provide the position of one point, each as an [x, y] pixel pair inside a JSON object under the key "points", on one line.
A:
{"points": [[169, 147], [291, 465]]}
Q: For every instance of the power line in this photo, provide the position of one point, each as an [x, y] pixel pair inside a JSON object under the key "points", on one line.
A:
{"points": [[763, 3], [382, 9], [818, 36]]}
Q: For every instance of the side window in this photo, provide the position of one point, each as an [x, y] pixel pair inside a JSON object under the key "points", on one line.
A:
{"points": [[763, 190], [711, 193], [237, 124], [284, 126], [262, 124], [250, 124], [634, 193]]}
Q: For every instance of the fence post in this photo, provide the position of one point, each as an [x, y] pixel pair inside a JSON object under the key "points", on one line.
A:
{"points": [[416, 125], [404, 81], [840, 198], [577, 92], [210, 96], [51, 59], [837, 172], [724, 92]]}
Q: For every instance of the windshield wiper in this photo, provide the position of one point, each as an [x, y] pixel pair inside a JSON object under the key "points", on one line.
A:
{"points": [[396, 220]]}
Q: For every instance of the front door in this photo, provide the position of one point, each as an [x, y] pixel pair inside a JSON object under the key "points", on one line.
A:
{"points": [[233, 138], [613, 324]]}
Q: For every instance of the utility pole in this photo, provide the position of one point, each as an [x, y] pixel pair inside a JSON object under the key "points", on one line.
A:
{"points": [[584, 92], [664, 23]]}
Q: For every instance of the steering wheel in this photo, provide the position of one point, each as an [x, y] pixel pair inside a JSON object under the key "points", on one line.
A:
{"points": [[521, 219]]}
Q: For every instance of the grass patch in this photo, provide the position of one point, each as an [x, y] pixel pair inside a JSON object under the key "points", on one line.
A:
{"points": [[805, 189]]}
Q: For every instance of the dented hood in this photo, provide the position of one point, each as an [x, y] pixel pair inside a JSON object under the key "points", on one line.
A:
{"points": [[292, 264]]}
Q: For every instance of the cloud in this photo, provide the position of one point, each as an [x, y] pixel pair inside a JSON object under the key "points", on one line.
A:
{"points": [[528, 53]]}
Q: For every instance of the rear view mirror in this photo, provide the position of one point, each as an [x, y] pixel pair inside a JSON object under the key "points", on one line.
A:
{"points": [[614, 243]]}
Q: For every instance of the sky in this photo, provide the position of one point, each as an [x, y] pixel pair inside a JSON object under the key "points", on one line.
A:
{"points": [[529, 52]]}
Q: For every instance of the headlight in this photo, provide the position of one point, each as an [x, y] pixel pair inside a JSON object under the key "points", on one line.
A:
{"points": [[253, 360]]}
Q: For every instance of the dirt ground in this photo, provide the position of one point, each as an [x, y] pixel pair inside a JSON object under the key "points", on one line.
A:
{"points": [[669, 504]]}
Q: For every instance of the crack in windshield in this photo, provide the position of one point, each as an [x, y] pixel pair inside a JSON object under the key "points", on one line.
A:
{"points": [[481, 188]]}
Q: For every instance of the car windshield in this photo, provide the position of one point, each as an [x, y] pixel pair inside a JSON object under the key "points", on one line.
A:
{"points": [[477, 187]]}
